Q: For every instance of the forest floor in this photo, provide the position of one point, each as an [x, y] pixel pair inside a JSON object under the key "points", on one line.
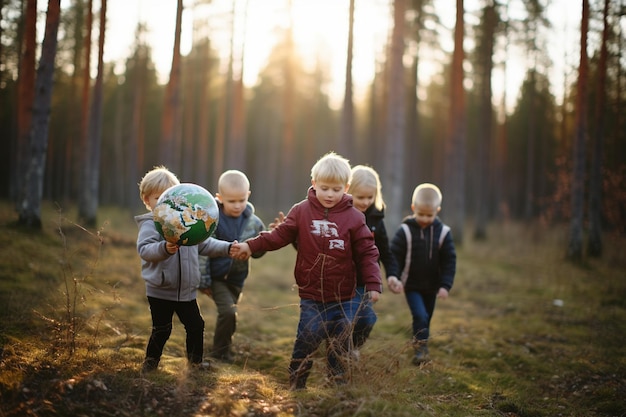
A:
{"points": [[524, 333]]}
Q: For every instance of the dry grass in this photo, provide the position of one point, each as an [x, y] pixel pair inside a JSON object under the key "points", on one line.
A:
{"points": [[500, 344]]}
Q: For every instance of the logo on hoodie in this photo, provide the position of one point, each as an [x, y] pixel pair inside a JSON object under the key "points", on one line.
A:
{"points": [[324, 228]]}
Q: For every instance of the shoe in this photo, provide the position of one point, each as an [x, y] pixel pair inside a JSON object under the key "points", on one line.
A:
{"points": [[149, 365], [202, 366], [227, 357], [421, 355], [297, 383]]}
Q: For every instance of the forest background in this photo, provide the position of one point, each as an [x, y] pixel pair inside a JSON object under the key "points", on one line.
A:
{"points": [[77, 140], [79, 132]]}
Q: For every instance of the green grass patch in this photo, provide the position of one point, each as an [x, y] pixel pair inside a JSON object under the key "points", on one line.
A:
{"points": [[523, 334]]}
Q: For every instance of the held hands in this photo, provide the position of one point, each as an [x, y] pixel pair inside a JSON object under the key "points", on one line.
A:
{"points": [[395, 285], [443, 293], [240, 251]]}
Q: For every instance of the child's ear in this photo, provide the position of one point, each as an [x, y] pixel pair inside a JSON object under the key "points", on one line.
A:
{"points": [[438, 209], [218, 197]]}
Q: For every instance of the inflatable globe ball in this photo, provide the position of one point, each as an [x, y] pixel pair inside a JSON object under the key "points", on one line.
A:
{"points": [[186, 214]]}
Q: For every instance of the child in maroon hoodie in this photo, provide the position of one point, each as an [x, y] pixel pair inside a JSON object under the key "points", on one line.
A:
{"points": [[333, 243]]}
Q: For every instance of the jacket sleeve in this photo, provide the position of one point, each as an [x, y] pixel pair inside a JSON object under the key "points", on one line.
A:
{"points": [[258, 228], [386, 257], [366, 256], [150, 244], [284, 234], [398, 250], [214, 248], [447, 258]]}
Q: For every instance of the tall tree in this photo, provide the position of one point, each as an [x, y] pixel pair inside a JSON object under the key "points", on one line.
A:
{"points": [[396, 115], [484, 138], [89, 202], [594, 242], [454, 177], [575, 246], [85, 97], [30, 207], [346, 141], [170, 151], [25, 94]]}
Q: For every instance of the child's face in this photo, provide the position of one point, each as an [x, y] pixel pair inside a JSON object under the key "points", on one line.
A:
{"points": [[151, 200], [329, 194], [425, 214], [233, 200], [363, 197]]}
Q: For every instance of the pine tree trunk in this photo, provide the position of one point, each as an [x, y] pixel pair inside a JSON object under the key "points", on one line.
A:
{"points": [[575, 248], [89, 203], [454, 174], [25, 97], [594, 243], [396, 117]]}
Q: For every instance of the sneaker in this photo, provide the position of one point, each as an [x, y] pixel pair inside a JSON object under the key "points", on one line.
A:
{"points": [[227, 357], [421, 355], [297, 384], [202, 366], [149, 365]]}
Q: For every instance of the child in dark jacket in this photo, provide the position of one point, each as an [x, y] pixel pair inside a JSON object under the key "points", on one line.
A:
{"points": [[424, 250], [333, 243], [222, 277], [172, 275]]}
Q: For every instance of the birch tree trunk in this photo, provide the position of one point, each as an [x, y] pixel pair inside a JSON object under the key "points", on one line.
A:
{"points": [[30, 207]]}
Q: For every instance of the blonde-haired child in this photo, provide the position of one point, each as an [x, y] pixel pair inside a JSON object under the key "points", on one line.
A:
{"points": [[171, 274]]}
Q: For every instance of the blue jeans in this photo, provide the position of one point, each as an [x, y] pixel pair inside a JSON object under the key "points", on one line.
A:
{"points": [[422, 307], [365, 318], [318, 322]]}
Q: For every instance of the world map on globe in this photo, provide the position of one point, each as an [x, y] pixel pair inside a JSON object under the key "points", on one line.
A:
{"points": [[186, 214]]}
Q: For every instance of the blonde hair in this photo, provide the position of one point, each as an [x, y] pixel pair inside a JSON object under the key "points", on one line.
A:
{"points": [[155, 181], [427, 195], [331, 168], [363, 176], [233, 180]]}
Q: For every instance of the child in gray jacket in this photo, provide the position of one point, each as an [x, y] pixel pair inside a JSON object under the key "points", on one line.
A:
{"points": [[172, 276]]}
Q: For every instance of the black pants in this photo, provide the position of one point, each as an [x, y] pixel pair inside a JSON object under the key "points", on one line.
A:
{"points": [[188, 313]]}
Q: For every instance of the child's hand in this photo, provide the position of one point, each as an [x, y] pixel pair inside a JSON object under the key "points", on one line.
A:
{"points": [[395, 285], [278, 220], [171, 248], [206, 291], [443, 293], [240, 251], [373, 296]]}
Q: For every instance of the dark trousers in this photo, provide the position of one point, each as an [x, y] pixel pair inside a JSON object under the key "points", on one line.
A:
{"points": [[226, 297], [319, 322], [422, 307], [188, 313]]}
